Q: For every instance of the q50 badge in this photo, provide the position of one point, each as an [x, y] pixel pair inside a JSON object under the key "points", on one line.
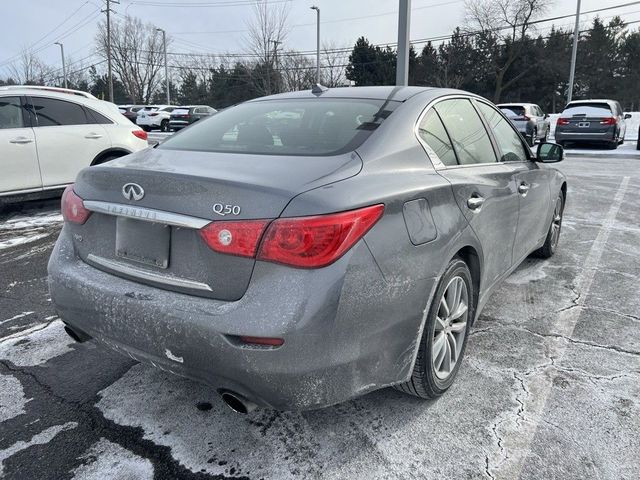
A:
{"points": [[224, 210]]}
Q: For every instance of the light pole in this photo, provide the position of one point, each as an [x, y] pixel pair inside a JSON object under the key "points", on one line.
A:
{"points": [[64, 68], [574, 54], [317, 9], [402, 63], [166, 67]]}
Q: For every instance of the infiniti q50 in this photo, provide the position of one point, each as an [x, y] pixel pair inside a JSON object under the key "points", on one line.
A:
{"points": [[299, 250]]}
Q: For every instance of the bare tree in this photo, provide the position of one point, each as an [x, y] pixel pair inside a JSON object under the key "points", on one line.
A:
{"points": [[28, 69], [266, 31], [333, 65], [298, 71], [502, 28], [137, 55]]}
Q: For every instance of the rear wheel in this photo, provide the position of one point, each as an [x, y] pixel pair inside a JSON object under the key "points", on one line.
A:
{"points": [[553, 235], [612, 145], [164, 126], [445, 333]]}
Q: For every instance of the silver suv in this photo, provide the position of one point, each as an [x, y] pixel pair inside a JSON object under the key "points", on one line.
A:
{"points": [[529, 119]]}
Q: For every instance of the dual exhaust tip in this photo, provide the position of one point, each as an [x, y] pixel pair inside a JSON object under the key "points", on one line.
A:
{"points": [[234, 401]]}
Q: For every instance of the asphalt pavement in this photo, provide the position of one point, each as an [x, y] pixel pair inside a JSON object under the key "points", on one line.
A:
{"points": [[549, 388]]}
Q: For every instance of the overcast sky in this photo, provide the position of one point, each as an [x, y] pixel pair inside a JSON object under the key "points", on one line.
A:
{"points": [[219, 29]]}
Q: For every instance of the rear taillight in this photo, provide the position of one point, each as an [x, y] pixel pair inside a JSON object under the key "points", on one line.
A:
{"points": [[263, 341], [234, 238], [141, 134], [73, 210], [313, 242], [563, 121], [609, 121]]}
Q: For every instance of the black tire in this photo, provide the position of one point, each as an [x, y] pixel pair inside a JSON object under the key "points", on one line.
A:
{"points": [[551, 242], [424, 381], [612, 145], [146, 128], [164, 126], [532, 139], [638, 144]]}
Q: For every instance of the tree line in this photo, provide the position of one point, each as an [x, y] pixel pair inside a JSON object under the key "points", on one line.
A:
{"points": [[494, 54]]}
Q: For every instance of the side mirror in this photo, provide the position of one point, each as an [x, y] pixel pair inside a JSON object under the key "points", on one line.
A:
{"points": [[549, 153], [627, 116]]}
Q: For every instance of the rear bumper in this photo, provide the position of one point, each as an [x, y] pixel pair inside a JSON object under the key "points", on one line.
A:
{"points": [[346, 331], [561, 136], [177, 124], [149, 121]]}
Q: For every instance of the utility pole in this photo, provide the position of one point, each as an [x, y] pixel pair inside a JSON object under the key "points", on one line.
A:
{"points": [[574, 54], [166, 67], [317, 9], [64, 67], [402, 62], [277, 69], [109, 70]]}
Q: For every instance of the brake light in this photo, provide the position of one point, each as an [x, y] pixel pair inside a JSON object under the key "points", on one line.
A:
{"points": [[141, 134], [313, 242], [239, 238], [563, 121], [609, 121], [73, 210], [264, 341]]}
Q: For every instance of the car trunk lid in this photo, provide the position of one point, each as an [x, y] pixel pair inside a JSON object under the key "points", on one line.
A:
{"points": [[155, 238]]}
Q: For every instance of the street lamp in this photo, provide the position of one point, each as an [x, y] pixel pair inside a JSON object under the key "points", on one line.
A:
{"points": [[64, 68], [166, 68], [317, 9]]}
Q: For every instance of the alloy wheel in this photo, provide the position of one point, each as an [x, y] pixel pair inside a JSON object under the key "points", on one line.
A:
{"points": [[450, 329], [556, 223]]}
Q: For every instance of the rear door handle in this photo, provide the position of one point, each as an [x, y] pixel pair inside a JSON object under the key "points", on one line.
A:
{"points": [[523, 188], [93, 136], [21, 140], [475, 202]]}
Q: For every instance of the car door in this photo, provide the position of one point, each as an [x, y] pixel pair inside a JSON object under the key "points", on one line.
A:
{"points": [[532, 182], [540, 121], [67, 139], [18, 154], [483, 187]]}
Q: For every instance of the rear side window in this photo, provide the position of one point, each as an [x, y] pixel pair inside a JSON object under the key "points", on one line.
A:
{"points": [[313, 127], [466, 130], [435, 136], [11, 115], [95, 117], [587, 110], [508, 139], [53, 112]]}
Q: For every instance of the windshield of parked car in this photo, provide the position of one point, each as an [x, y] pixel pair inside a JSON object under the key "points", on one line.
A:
{"points": [[513, 111], [587, 110], [286, 127]]}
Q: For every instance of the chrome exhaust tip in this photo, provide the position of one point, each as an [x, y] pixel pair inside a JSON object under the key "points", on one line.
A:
{"points": [[238, 403]]}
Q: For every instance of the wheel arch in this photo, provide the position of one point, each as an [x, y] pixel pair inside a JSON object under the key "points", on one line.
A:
{"points": [[109, 152], [470, 256]]}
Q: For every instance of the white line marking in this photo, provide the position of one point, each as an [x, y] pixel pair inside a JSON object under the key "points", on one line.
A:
{"points": [[20, 315], [516, 440]]}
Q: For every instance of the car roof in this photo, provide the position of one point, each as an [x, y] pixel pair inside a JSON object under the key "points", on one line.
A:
{"points": [[596, 100], [516, 105], [374, 93]]}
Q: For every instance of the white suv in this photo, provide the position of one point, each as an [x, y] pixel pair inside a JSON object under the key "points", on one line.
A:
{"points": [[47, 135], [155, 116]]}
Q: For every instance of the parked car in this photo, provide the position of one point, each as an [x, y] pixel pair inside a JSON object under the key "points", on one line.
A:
{"points": [[130, 111], [592, 121], [48, 135], [184, 116], [529, 119], [349, 252], [155, 117]]}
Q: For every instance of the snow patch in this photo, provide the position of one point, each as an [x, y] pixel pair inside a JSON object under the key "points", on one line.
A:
{"points": [[41, 438], [15, 317], [526, 274], [106, 459], [21, 240], [12, 399], [36, 346], [173, 357]]}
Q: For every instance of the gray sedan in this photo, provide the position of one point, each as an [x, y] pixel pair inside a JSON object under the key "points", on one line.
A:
{"points": [[299, 250]]}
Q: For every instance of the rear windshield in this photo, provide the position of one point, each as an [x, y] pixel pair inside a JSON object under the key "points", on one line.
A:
{"points": [[587, 110], [286, 127], [513, 111], [180, 111]]}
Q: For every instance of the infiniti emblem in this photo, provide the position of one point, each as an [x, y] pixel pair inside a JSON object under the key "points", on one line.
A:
{"points": [[132, 191]]}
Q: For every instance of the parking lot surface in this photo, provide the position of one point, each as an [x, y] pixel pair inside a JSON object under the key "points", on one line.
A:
{"points": [[549, 388]]}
